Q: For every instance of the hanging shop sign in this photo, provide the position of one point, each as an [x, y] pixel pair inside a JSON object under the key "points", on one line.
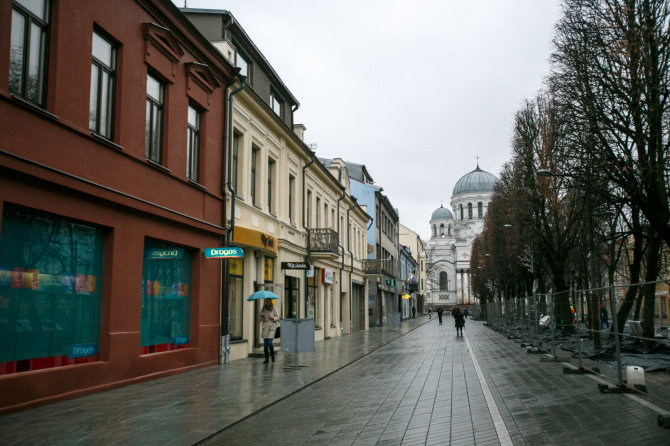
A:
{"points": [[224, 253], [390, 282], [310, 271], [295, 265], [327, 275]]}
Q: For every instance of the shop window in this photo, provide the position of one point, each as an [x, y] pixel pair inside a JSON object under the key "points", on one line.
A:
{"points": [[235, 297], [311, 300], [50, 291], [291, 295], [166, 297]]}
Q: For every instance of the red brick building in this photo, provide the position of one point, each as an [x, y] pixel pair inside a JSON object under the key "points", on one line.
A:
{"points": [[112, 135]]}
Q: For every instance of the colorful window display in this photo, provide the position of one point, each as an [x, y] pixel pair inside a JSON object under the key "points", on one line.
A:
{"points": [[50, 291], [166, 297], [236, 297]]}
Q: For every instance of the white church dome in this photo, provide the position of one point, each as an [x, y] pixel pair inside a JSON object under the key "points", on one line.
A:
{"points": [[476, 181], [441, 213]]}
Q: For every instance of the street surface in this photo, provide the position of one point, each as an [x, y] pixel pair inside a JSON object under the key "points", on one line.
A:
{"points": [[415, 384]]}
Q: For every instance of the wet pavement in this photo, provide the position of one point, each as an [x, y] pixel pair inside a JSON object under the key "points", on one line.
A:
{"points": [[414, 384]]}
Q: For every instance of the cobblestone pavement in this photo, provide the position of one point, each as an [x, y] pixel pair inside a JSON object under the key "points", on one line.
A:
{"points": [[413, 384], [431, 387]]}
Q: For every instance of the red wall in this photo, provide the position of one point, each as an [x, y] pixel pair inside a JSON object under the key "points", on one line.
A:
{"points": [[50, 162]]}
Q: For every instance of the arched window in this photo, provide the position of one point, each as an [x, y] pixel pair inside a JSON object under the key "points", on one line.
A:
{"points": [[444, 282], [461, 207], [480, 210], [449, 231], [434, 230], [469, 211], [442, 229]]}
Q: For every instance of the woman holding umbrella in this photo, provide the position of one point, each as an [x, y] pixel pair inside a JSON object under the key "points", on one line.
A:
{"points": [[269, 318]]}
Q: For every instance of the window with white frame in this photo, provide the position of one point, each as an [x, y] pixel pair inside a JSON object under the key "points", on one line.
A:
{"points": [[154, 126], [103, 71], [193, 145], [275, 104]]}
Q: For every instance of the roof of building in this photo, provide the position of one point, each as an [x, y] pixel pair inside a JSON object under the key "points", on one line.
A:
{"points": [[441, 213], [476, 181]]}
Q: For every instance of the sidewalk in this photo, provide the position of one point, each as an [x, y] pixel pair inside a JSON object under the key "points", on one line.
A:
{"points": [[478, 389], [186, 408]]}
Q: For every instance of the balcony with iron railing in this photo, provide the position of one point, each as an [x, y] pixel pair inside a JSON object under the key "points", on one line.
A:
{"points": [[323, 240], [379, 266]]}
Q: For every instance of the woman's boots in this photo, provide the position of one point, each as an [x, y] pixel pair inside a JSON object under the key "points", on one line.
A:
{"points": [[269, 352]]}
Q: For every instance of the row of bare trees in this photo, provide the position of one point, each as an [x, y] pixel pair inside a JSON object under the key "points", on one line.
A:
{"points": [[586, 192]]}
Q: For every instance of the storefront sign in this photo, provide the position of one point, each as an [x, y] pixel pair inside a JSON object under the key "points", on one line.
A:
{"points": [[310, 271], [249, 237], [390, 282], [224, 253], [175, 253], [82, 350], [295, 265], [180, 340], [327, 275]]}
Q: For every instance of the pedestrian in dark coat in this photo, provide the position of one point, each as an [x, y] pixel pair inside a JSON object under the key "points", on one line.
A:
{"points": [[439, 314], [459, 321]]}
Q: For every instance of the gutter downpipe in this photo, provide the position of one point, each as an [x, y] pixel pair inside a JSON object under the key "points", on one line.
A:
{"points": [[339, 246], [225, 338], [351, 269], [309, 232]]}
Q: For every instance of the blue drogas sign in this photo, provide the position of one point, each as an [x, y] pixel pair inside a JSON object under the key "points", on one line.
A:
{"points": [[180, 340], [82, 350], [224, 253]]}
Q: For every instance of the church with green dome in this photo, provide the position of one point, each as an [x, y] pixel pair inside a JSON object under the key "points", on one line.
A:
{"points": [[446, 260]]}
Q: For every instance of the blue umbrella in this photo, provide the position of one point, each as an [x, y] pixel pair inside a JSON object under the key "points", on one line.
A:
{"points": [[264, 294]]}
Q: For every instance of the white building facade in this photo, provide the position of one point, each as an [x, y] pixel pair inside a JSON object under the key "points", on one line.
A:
{"points": [[445, 263]]}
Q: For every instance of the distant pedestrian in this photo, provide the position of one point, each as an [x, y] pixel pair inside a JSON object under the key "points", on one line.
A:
{"points": [[459, 321], [603, 317], [413, 312], [269, 318], [430, 314], [439, 314], [465, 312]]}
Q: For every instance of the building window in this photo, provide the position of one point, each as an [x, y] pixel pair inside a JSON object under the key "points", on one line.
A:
{"points": [[254, 160], [317, 216], [291, 198], [236, 160], [103, 70], [275, 104], [309, 208], [271, 175], [469, 211], [242, 63], [460, 206], [442, 230], [444, 281], [193, 145], [165, 320], [51, 277], [28, 49], [154, 130], [480, 210], [236, 297], [312, 300]]}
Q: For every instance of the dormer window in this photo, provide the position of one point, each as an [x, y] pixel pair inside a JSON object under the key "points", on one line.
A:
{"points": [[243, 65], [275, 104]]}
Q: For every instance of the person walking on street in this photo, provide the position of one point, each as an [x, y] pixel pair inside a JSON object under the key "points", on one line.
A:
{"points": [[439, 314], [413, 312], [459, 321], [603, 317], [465, 312], [430, 314], [269, 318]]}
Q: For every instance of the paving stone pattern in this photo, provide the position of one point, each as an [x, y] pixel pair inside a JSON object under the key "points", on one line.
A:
{"points": [[422, 389], [411, 385]]}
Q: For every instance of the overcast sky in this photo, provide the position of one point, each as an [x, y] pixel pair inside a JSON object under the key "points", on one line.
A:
{"points": [[415, 90]]}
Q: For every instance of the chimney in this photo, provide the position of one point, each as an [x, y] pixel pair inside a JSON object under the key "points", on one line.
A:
{"points": [[299, 130]]}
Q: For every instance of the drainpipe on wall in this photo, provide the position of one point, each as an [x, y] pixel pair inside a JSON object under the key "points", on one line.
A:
{"points": [[339, 246], [225, 337], [309, 244]]}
